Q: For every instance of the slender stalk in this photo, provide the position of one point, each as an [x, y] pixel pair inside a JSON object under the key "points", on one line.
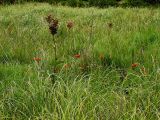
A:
{"points": [[55, 48], [53, 77]]}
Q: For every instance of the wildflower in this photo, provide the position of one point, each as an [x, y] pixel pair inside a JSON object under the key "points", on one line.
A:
{"points": [[70, 24], [134, 65], [37, 59], [77, 56]]}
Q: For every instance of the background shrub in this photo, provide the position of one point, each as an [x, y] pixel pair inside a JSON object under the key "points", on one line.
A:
{"points": [[81, 3], [102, 3], [135, 2], [74, 3], [152, 1], [142, 2]]}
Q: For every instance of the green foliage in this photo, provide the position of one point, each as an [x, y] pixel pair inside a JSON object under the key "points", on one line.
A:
{"points": [[152, 1], [82, 3], [99, 84], [135, 2], [103, 3], [142, 2], [64, 2]]}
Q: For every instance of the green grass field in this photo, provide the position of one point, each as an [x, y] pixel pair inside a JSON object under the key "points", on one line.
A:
{"points": [[116, 75]]}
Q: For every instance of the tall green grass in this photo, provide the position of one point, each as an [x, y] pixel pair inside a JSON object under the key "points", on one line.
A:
{"points": [[98, 85]]}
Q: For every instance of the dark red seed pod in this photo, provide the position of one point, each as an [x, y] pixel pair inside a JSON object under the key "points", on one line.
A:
{"points": [[53, 29], [70, 24]]}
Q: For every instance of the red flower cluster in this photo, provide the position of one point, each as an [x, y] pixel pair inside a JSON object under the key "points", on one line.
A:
{"points": [[134, 65], [77, 56], [37, 59]]}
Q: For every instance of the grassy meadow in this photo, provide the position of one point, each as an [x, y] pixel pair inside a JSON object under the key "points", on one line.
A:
{"points": [[107, 64]]}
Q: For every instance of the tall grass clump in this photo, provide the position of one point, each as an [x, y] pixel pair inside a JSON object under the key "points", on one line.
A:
{"points": [[26, 95]]}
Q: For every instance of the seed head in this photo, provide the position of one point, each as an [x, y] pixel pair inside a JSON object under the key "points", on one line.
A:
{"points": [[53, 24], [53, 27], [70, 24]]}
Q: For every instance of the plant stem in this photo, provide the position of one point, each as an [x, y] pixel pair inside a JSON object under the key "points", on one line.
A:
{"points": [[55, 48]]}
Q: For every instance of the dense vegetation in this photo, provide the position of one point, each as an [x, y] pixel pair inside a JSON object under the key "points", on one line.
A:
{"points": [[100, 3], [107, 63]]}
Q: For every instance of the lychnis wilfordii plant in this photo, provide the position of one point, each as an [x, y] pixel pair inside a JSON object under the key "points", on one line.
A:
{"points": [[53, 27]]}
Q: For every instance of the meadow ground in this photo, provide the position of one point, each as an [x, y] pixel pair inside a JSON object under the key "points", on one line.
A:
{"points": [[107, 66]]}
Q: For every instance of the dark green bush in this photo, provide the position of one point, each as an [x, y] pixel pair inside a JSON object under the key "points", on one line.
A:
{"points": [[142, 2], [135, 2], [80, 3], [8, 1], [102, 3], [11, 1], [74, 3], [152, 1]]}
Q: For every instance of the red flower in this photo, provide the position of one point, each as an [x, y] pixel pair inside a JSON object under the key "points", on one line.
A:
{"points": [[37, 59], [134, 65], [77, 56], [70, 24]]}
